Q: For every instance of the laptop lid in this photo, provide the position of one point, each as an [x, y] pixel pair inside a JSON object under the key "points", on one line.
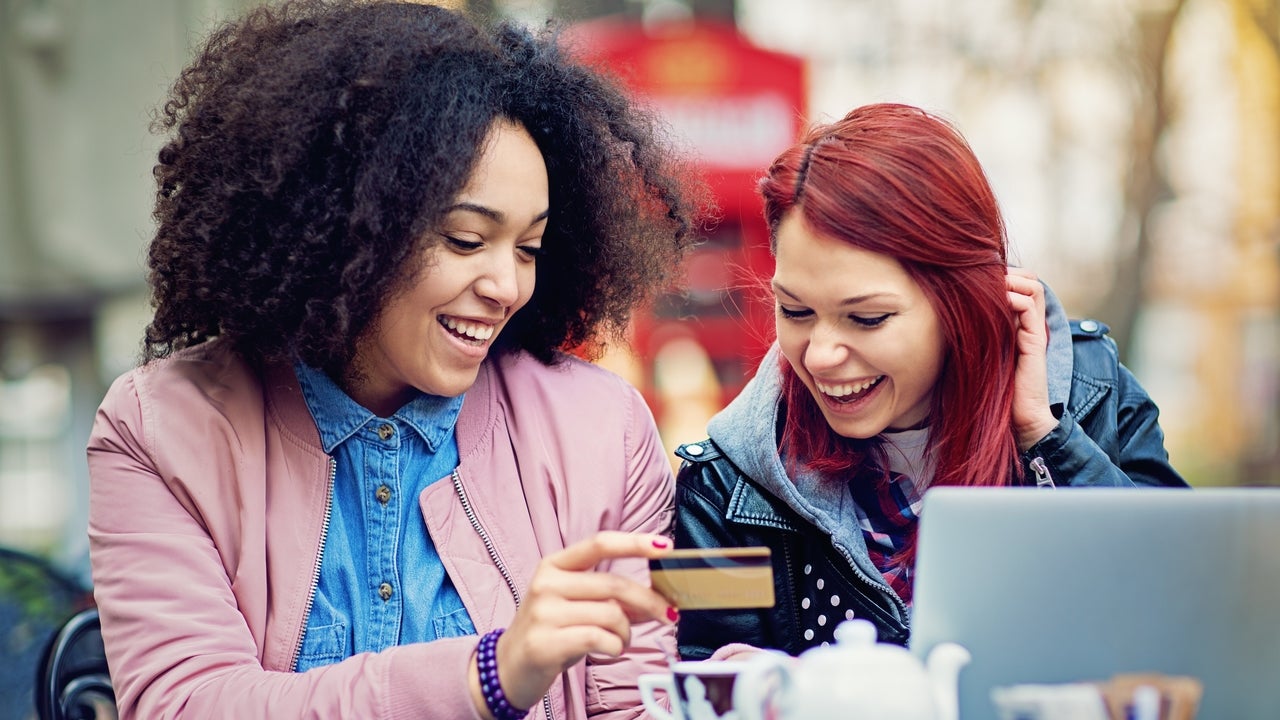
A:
{"points": [[1058, 586]]}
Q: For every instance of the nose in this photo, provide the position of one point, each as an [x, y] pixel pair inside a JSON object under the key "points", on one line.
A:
{"points": [[499, 283], [827, 350]]}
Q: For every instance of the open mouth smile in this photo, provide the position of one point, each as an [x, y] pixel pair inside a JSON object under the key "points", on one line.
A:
{"points": [[849, 392], [470, 332]]}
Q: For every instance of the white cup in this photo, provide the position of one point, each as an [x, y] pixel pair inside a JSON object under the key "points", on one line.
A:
{"points": [[696, 689]]}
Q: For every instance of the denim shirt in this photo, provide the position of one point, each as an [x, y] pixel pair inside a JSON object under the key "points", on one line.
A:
{"points": [[381, 582]]}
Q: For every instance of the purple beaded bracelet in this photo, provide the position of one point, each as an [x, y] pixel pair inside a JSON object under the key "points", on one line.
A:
{"points": [[487, 664]]}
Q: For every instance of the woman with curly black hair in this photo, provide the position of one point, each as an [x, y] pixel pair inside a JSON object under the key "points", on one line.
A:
{"points": [[356, 451]]}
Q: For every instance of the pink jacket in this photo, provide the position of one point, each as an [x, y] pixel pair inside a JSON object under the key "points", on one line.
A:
{"points": [[209, 493]]}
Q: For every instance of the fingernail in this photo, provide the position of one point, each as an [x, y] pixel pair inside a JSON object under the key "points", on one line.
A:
{"points": [[673, 614], [662, 543]]}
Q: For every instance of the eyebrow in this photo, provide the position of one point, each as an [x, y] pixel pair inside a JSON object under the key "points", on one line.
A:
{"points": [[856, 299], [492, 214]]}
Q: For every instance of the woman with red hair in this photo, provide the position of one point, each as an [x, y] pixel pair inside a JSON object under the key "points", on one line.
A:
{"points": [[908, 356]]}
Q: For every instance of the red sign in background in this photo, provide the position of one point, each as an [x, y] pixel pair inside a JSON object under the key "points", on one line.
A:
{"points": [[734, 106]]}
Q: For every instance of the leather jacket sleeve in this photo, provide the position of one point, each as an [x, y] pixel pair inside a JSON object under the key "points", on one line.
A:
{"points": [[704, 486], [1109, 433]]}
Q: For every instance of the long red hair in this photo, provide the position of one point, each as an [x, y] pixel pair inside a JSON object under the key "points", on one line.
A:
{"points": [[896, 180]]}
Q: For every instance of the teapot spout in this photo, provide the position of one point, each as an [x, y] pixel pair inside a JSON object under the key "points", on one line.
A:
{"points": [[944, 664]]}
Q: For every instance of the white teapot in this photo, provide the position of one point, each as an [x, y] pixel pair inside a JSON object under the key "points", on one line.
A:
{"points": [[855, 678]]}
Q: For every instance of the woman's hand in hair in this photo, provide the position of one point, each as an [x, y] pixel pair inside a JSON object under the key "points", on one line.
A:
{"points": [[571, 610], [1032, 418]]}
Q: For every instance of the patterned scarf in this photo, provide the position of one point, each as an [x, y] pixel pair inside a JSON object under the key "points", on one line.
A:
{"points": [[888, 510]]}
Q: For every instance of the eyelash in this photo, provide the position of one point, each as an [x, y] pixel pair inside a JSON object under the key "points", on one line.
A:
{"points": [[867, 322], [462, 244], [468, 245], [871, 322]]}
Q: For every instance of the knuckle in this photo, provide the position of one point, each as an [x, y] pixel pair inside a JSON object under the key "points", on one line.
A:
{"points": [[545, 566], [616, 586], [606, 642], [539, 585], [590, 546], [600, 543], [615, 615]]}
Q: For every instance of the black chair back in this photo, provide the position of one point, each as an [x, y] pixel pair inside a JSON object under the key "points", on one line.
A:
{"points": [[73, 681]]}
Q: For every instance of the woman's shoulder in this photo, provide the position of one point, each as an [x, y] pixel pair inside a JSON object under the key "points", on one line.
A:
{"points": [[567, 396], [1094, 353], [577, 378], [176, 408], [1098, 378], [1088, 332], [706, 471], [206, 375]]}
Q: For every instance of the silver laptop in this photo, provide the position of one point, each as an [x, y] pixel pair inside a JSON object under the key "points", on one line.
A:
{"points": [[1067, 585]]}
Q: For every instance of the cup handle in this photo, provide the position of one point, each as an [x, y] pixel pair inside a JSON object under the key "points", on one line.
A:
{"points": [[752, 691], [650, 682]]}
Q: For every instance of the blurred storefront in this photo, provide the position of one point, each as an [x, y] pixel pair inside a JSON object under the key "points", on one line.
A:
{"points": [[734, 107], [1045, 91]]}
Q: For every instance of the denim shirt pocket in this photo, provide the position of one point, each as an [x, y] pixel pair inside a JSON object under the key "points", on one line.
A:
{"points": [[323, 645]]}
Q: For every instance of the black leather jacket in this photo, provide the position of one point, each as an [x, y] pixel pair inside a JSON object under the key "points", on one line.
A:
{"points": [[1107, 435]]}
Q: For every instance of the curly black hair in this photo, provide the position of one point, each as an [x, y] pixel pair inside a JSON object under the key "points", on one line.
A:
{"points": [[315, 144]]}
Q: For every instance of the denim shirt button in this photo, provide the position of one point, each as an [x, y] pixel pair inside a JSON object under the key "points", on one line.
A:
{"points": [[1088, 326], [384, 591], [385, 430], [383, 494]]}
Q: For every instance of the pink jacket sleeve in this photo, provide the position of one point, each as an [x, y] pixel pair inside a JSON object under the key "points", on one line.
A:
{"points": [[648, 507], [177, 642]]}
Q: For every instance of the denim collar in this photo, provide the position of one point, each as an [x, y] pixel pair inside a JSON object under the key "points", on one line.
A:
{"points": [[338, 417]]}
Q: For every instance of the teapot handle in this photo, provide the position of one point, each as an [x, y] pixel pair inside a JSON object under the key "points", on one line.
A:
{"points": [[765, 679]]}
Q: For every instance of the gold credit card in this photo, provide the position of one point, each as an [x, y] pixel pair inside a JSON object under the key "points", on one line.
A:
{"points": [[714, 578]]}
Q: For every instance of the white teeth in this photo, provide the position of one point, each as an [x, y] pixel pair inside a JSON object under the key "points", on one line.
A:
{"points": [[846, 389], [476, 331]]}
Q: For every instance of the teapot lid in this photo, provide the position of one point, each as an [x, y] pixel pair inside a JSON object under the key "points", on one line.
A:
{"points": [[855, 633]]}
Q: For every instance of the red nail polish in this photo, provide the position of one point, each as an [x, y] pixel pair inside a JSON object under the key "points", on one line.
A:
{"points": [[673, 614], [661, 543]]}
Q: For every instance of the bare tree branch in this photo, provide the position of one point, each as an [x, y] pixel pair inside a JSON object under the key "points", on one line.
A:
{"points": [[1146, 185]]}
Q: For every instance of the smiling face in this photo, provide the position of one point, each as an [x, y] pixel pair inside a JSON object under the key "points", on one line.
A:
{"points": [[859, 332], [432, 335]]}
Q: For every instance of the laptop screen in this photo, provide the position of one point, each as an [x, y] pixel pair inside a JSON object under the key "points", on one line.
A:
{"points": [[1072, 585]]}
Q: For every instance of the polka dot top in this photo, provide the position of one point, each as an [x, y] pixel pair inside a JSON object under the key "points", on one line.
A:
{"points": [[821, 609], [887, 513]]}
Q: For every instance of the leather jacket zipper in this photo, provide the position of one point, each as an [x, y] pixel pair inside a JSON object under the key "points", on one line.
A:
{"points": [[1043, 478], [493, 555], [905, 615], [788, 562], [315, 570]]}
